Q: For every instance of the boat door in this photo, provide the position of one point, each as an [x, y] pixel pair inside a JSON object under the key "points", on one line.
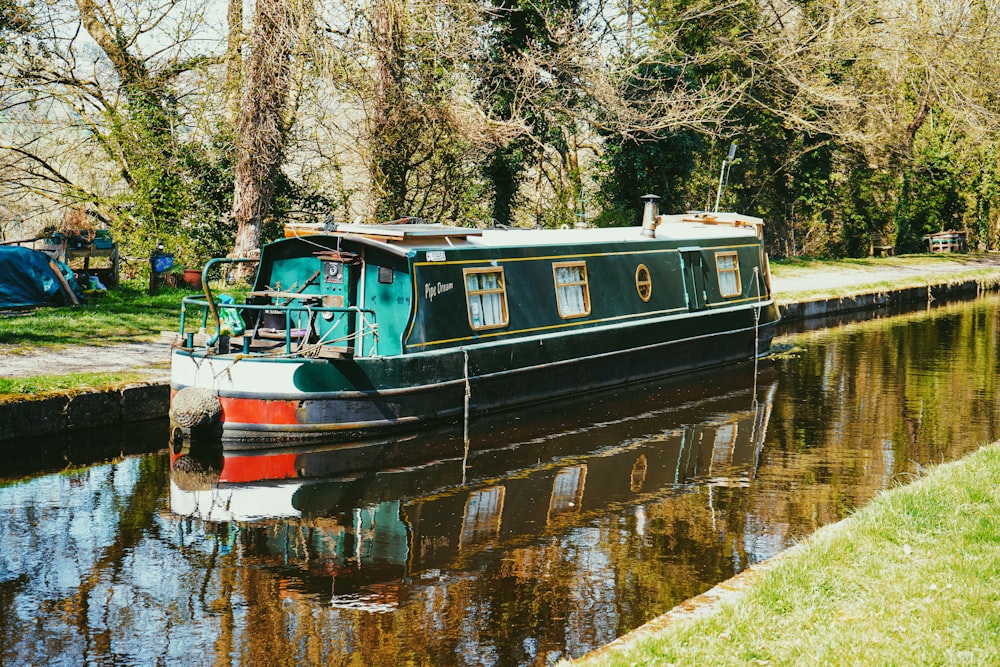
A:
{"points": [[693, 277], [339, 288]]}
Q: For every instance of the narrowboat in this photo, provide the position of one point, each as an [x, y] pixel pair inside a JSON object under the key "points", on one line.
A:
{"points": [[356, 330]]}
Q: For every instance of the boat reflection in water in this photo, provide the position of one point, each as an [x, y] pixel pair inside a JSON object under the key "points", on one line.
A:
{"points": [[361, 524]]}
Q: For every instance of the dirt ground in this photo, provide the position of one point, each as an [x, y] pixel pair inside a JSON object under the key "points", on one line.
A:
{"points": [[153, 359]]}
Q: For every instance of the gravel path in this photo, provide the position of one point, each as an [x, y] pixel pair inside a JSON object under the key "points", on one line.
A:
{"points": [[886, 270], [148, 358]]}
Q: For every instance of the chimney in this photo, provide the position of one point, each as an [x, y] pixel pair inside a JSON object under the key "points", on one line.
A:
{"points": [[649, 213]]}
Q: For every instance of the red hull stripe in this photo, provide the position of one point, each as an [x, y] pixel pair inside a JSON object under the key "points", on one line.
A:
{"points": [[257, 468], [259, 411]]}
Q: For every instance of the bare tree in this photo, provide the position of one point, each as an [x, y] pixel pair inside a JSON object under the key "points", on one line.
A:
{"points": [[870, 74], [262, 126], [888, 80], [97, 104]]}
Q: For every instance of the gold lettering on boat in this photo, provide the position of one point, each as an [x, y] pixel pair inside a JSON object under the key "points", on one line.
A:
{"points": [[431, 291]]}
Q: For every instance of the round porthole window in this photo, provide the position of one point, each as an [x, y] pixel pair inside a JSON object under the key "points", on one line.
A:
{"points": [[643, 282]]}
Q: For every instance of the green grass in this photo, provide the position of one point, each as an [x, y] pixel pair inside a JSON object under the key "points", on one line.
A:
{"points": [[911, 579], [128, 314], [36, 385]]}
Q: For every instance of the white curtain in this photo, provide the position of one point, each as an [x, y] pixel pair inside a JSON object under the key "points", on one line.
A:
{"points": [[485, 307], [570, 287], [728, 274]]}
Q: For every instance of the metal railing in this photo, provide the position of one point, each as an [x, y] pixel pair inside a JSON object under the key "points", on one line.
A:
{"points": [[297, 342]]}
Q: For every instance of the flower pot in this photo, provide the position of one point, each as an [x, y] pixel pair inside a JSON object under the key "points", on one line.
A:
{"points": [[192, 278]]}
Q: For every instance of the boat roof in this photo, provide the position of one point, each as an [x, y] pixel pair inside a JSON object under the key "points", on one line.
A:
{"points": [[410, 231], [682, 227]]}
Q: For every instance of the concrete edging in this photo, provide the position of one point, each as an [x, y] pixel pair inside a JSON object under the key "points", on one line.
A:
{"points": [[52, 414], [804, 310]]}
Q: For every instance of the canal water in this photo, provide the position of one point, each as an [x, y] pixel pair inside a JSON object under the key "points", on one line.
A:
{"points": [[558, 530]]}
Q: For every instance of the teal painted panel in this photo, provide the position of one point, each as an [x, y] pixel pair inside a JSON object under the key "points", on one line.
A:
{"points": [[391, 304], [289, 275]]}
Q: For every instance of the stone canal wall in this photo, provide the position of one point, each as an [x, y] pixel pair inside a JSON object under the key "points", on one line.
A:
{"points": [[52, 414], [58, 413]]}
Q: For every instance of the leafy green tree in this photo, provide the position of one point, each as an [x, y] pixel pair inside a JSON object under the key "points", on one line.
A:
{"points": [[646, 165], [691, 50], [110, 132], [893, 92], [422, 141], [517, 28]]}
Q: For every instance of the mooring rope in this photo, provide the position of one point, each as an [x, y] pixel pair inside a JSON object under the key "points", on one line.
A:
{"points": [[465, 429], [756, 331]]}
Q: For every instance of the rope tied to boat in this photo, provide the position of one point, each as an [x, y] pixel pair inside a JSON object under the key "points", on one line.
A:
{"points": [[312, 350], [468, 396], [756, 331]]}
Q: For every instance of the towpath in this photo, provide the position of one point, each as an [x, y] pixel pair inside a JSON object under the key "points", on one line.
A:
{"points": [[152, 358], [790, 281]]}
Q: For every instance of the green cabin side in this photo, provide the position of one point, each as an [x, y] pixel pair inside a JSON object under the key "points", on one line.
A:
{"points": [[379, 299], [616, 284], [356, 296]]}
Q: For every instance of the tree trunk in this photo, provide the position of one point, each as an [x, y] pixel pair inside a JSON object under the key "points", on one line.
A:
{"points": [[389, 163], [261, 131], [924, 105], [234, 59]]}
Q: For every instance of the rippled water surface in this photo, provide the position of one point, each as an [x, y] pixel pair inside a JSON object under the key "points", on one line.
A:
{"points": [[559, 530]]}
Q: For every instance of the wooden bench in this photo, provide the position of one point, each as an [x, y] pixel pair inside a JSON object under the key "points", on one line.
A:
{"points": [[950, 241], [881, 247]]}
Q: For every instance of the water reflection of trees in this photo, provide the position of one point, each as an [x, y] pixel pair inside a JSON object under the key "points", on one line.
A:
{"points": [[872, 401], [73, 550], [112, 573]]}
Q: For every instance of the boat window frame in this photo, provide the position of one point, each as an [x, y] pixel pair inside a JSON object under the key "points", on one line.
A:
{"points": [[734, 270], [643, 284], [583, 283], [501, 291]]}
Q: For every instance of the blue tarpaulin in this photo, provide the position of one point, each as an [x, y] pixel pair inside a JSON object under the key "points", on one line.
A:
{"points": [[27, 279]]}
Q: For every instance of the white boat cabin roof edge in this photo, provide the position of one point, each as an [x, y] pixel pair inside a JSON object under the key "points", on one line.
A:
{"points": [[684, 227]]}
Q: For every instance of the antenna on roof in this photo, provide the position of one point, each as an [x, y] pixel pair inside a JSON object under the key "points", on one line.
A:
{"points": [[724, 174]]}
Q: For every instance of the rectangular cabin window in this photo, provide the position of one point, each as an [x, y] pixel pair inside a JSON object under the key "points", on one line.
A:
{"points": [[729, 273], [487, 297], [572, 290], [567, 491]]}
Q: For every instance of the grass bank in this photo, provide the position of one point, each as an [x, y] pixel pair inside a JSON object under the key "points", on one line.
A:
{"points": [[38, 386], [910, 579], [128, 314], [125, 315]]}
